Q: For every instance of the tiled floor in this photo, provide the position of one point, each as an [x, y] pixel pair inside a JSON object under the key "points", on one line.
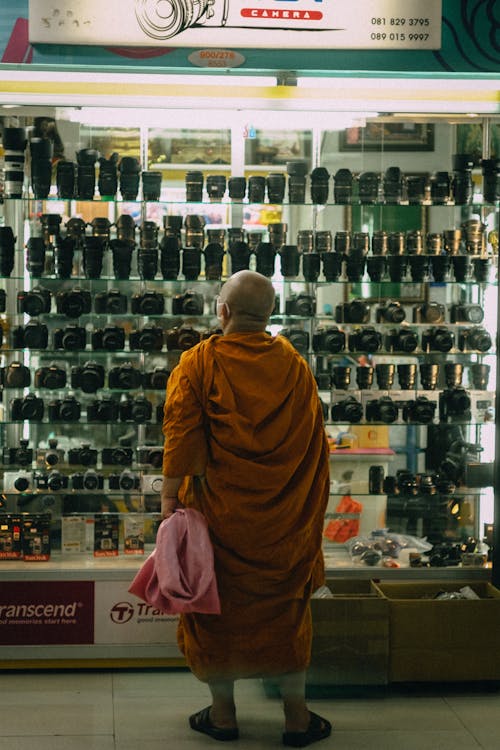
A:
{"points": [[149, 709]]}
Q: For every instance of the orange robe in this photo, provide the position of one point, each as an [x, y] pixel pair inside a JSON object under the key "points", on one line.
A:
{"points": [[243, 410]]}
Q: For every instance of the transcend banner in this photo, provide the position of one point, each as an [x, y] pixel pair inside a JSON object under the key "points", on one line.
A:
{"points": [[301, 24]]}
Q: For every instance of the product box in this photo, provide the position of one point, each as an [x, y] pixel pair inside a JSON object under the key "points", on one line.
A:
{"points": [[73, 534], [371, 436], [442, 640], [10, 537], [133, 535], [350, 636], [106, 533], [36, 537]]}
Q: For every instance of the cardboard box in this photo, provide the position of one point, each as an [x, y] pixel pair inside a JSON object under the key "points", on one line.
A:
{"points": [[371, 436], [442, 641], [350, 636]]}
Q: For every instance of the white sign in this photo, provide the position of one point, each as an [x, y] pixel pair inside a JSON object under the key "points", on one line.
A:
{"points": [[271, 24]]}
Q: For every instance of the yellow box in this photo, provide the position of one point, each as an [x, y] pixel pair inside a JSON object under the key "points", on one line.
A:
{"points": [[371, 436]]}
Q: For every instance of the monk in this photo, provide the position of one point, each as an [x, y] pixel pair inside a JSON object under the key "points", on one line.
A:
{"points": [[245, 445]]}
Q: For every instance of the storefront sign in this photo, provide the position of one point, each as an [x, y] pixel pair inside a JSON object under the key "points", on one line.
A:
{"points": [[46, 612], [287, 24]]}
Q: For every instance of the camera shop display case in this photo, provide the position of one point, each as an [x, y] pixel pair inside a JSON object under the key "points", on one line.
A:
{"points": [[118, 227]]}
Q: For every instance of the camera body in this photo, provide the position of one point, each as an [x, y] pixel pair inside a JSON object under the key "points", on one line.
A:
{"points": [[103, 410], [138, 410], [149, 338], [382, 409], [438, 339], [401, 340], [15, 375], [301, 304], [182, 338], [89, 480], [52, 481], [421, 410], [67, 409], [188, 303], [391, 312], [34, 302], [112, 302], [126, 481], [429, 312], [156, 379], [71, 338], [73, 302], [83, 456], [356, 311], [89, 377], [19, 456], [148, 303], [110, 338], [474, 339], [330, 339], [124, 377], [29, 408], [33, 335], [150, 456], [117, 456], [346, 408], [455, 405], [298, 338], [463, 313], [51, 376], [365, 340]]}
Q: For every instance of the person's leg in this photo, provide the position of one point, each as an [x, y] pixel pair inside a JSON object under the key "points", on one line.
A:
{"points": [[293, 693], [223, 709]]}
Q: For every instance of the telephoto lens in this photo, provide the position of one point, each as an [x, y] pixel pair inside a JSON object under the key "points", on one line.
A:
{"points": [[130, 176], [368, 187], [256, 189], [86, 160], [479, 376], [276, 184], [265, 256], [332, 266], [35, 256], [341, 377], [342, 186], [191, 263], [93, 253], [453, 374], [151, 185], [214, 257], [407, 374], [216, 187], [41, 150], [429, 374], [490, 169], [194, 186], [320, 185], [7, 248], [364, 377], [297, 171], [394, 185], [462, 184], [240, 253], [14, 143], [122, 251], [289, 261], [277, 234], [66, 179], [237, 188], [64, 254], [311, 266], [107, 182], [385, 376], [195, 231]]}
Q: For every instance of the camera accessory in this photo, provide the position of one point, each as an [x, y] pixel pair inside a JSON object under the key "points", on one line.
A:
{"points": [[182, 338], [256, 189], [301, 304], [364, 377], [214, 257], [438, 339], [490, 169], [341, 377], [107, 182], [429, 312], [30, 408], [147, 339], [365, 340], [67, 409], [356, 311], [7, 249], [148, 303], [390, 312], [385, 376], [138, 410], [126, 481], [51, 376], [376, 480], [414, 243], [276, 184], [419, 411], [298, 338], [112, 302], [454, 405], [347, 410], [382, 409], [188, 303], [394, 185], [216, 187], [479, 375], [126, 228], [41, 151], [15, 375], [429, 374], [35, 256], [110, 338], [265, 257], [462, 184], [441, 191], [297, 171], [342, 186], [474, 339], [368, 187], [14, 144], [33, 335], [323, 380], [86, 160], [320, 178], [407, 374], [237, 187], [396, 243], [89, 377], [83, 456], [401, 340], [71, 338], [103, 410], [194, 186], [130, 170], [87, 480], [151, 185], [453, 374], [330, 340], [35, 302]]}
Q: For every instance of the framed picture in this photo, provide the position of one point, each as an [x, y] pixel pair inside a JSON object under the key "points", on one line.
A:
{"points": [[388, 136], [373, 292], [276, 147]]}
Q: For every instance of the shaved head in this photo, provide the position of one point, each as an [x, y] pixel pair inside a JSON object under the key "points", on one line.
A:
{"points": [[250, 298]]}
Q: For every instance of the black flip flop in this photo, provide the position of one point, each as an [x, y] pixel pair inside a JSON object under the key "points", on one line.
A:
{"points": [[200, 722], [318, 729]]}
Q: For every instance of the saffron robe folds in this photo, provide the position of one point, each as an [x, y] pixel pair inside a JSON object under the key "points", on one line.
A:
{"points": [[244, 424]]}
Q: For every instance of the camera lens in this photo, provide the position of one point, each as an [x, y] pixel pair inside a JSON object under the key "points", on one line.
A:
{"points": [[240, 255], [434, 243], [360, 245], [126, 228], [376, 268], [380, 243], [406, 376], [341, 377], [93, 251], [35, 256], [14, 144], [440, 267], [441, 188], [65, 179], [414, 243], [491, 180], [429, 374], [479, 375], [122, 258], [85, 173], [396, 265], [151, 185], [368, 185], [265, 254], [394, 185], [194, 186], [453, 374], [290, 261], [256, 189], [342, 186], [419, 268], [385, 376], [305, 240], [130, 171], [323, 242], [216, 186], [311, 266], [297, 171], [355, 269], [214, 255], [277, 234], [452, 241], [107, 182], [462, 267], [191, 263], [462, 184], [332, 266], [364, 377], [237, 187], [417, 188], [276, 183], [342, 242], [320, 178], [396, 243]]}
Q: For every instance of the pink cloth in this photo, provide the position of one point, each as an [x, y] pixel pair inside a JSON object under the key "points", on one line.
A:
{"points": [[179, 574]]}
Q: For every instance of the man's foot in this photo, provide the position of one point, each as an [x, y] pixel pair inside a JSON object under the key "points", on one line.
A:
{"points": [[318, 729], [201, 722]]}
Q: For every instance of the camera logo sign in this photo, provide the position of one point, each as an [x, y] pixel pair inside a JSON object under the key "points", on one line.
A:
{"points": [[122, 612]]}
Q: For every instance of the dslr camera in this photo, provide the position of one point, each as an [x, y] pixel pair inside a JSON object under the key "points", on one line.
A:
{"points": [[103, 410], [126, 481], [391, 312], [29, 408], [429, 312], [15, 375], [298, 338], [67, 409], [124, 377], [52, 481], [474, 339], [34, 302], [110, 338], [73, 302], [454, 405], [33, 335], [87, 480], [72, 338], [147, 339], [83, 456], [117, 456], [331, 340], [365, 340], [189, 303], [156, 380], [138, 410], [148, 303], [356, 311], [401, 340], [182, 338], [419, 411], [347, 410], [462, 313], [89, 377], [150, 455], [20, 456], [52, 377], [301, 304], [382, 409], [112, 302], [438, 339]]}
